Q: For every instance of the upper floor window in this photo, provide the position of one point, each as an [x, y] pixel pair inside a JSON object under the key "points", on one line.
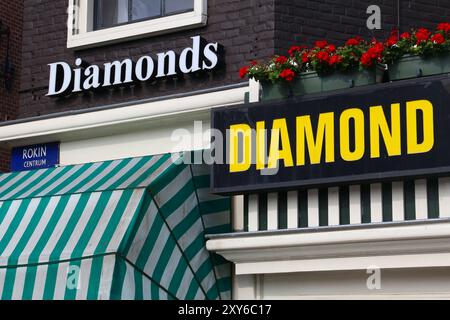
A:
{"points": [[110, 13], [99, 22]]}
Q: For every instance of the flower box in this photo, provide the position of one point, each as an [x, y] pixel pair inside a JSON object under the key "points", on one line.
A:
{"points": [[412, 66], [311, 82]]}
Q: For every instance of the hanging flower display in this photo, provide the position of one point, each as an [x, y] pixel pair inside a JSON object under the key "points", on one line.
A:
{"points": [[356, 54]]}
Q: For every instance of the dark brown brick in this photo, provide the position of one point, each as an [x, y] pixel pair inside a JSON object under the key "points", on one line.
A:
{"points": [[234, 23], [11, 16], [337, 20]]}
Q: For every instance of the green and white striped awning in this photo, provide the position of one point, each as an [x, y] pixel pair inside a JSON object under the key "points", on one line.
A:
{"points": [[124, 229]]}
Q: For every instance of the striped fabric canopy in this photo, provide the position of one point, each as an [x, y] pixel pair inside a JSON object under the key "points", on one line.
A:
{"points": [[124, 229]]}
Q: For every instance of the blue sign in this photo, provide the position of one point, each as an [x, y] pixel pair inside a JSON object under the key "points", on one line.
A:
{"points": [[35, 157]]}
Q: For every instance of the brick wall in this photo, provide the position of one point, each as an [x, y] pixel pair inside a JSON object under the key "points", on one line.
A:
{"points": [[244, 27], [4, 159], [248, 29], [305, 21], [11, 15]]}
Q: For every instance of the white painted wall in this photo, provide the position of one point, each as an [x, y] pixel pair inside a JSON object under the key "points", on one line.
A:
{"points": [[331, 263], [155, 140], [244, 287], [427, 283]]}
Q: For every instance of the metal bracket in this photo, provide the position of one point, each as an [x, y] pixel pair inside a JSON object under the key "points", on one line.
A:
{"points": [[351, 83], [419, 73]]}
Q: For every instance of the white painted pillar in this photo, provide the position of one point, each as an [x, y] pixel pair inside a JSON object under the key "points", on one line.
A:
{"points": [[237, 207]]}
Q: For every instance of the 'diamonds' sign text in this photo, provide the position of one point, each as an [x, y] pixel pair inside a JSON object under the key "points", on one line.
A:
{"points": [[201, 56]]}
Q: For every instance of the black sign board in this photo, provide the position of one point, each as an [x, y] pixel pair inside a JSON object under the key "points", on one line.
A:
{"points": [[375, 133]]}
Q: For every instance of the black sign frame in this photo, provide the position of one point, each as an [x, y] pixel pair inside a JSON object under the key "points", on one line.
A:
{"points": [[426, 87]]}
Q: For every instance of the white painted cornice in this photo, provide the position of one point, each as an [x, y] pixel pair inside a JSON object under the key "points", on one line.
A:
{"points": [[391, 246], [121, 119]]}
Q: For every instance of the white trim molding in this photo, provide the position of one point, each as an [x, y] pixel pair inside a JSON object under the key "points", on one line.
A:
{"points": [[80, 33], [417, 245], [141, 115]]}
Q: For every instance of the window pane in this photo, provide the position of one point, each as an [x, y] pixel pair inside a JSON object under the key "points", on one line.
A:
{"points": [[146, 9], [122, 12], [110, 13], [173, 6]]}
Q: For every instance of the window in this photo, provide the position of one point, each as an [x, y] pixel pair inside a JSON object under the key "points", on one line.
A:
{"points": [[110, 13], [97, 22]]}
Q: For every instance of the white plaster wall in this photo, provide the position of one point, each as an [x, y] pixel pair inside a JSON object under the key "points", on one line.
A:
{"points": [[154, 140], [426, 283]]}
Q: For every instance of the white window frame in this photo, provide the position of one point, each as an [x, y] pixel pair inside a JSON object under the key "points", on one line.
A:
{"points": [[80, 33]]}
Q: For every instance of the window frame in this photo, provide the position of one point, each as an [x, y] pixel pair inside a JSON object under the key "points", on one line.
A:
{"points": [[81, 33]]}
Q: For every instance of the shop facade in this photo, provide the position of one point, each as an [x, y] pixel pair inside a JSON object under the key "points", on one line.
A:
{"points": [[363, 228], [87, 222], [119, 89]]}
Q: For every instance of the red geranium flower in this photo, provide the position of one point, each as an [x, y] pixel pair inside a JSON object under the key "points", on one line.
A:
{"points": [[353, 42], [305, 57], [331, 48], [438, 38], [445, 26], [323, 56], [281, 60], [335, 60], [287, 74], [243, 72], [294, 49], [422, 35], [366, 59], [392, 41], [321, 44], [405, 35], [377, 50], [374, 53]]}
